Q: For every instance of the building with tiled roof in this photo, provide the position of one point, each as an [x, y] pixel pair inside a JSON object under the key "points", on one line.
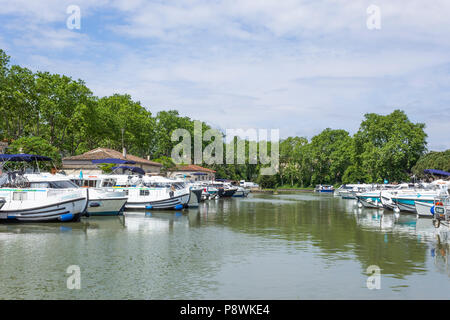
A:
{"points": [[73, 165], [192, 172]]}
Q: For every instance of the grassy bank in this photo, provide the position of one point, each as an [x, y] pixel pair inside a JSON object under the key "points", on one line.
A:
{"points": [[285, 189]]}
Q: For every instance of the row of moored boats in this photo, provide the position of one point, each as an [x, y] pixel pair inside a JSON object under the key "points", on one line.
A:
{"points": [[423, 199], [40, 197]]}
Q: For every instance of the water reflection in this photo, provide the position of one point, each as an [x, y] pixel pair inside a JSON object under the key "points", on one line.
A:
{"points": [[396, 243], [440, 254]]}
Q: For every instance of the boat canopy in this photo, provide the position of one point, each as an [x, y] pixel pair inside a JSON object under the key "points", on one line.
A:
{"points": [[132, 169], [438, 172], [22, 157], [113, 161]]}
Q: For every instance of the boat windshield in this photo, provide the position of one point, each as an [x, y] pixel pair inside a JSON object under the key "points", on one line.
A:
{"points": [[177, 185]]}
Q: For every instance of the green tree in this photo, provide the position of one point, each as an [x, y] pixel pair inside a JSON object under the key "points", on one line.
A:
{"points": [[389, 146], [432, 160], [38, 146], [329, 155]]}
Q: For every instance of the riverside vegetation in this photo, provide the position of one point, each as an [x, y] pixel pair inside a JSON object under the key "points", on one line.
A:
{"points": [[56, 116]]}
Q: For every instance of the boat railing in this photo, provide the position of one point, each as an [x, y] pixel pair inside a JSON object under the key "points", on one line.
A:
{"points": [[14, 179]]}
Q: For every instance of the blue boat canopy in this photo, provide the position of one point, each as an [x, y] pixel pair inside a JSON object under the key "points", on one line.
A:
{"points": [[22, 157], [438, 172], [132, 169], [113, 161]]}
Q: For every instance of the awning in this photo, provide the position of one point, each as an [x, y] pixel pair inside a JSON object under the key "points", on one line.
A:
{"points": [[438, 172], [22, 157], [132, 169], [113, 161]]}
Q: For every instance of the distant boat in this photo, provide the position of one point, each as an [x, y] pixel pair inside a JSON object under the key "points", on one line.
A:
{"points": [[349, 191], [370, 199], [324, 188], [225, 189], [241, 192]]}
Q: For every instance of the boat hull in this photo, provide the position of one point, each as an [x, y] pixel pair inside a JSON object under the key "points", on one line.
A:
{"points": [[169, 203], [106, 207], [58, 211], [226, 193], [370, 202], [387, 203], [409, 205], [423, 209], [195, 197], [241, 193]]}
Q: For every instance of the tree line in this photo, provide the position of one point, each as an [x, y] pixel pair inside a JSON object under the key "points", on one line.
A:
{"points": [[56, 116]]}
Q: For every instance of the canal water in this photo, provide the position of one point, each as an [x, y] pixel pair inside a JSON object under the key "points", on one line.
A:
{"points": [[286, 246]]}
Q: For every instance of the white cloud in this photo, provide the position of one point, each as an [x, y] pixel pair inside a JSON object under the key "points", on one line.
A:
{"points": [[299, 66]]}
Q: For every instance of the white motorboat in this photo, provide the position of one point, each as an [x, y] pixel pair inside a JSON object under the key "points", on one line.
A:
{"points": [[224, 189], [22, 202], [102, 201], [241, 192], [28, 204]]}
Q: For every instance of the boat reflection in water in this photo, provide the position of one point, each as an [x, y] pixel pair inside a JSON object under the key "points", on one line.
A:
{"points": [[440, 253], [45, 228], [406, 225], [160, 221]]}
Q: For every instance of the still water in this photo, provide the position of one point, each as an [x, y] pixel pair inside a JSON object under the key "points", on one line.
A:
{"points": [[287, 246]]}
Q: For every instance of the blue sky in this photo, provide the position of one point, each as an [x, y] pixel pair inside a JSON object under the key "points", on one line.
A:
{"points": [[300, 66]]}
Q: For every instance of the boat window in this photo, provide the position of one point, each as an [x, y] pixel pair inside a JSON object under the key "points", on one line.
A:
{"points": [[89, 183], [19, 196], [62, 185], [38, 185], [108, 183], [144, 192], [77, 182]]}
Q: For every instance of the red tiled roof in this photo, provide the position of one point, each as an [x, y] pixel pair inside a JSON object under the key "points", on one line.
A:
{"points": [[104, 153], [193, 167]]}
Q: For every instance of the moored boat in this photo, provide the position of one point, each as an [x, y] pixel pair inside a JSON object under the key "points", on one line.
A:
{"points": [[424, 209], [241, 192], [101, 202], [370, 199], [23, 202], [42, 205], [324, 188]]}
